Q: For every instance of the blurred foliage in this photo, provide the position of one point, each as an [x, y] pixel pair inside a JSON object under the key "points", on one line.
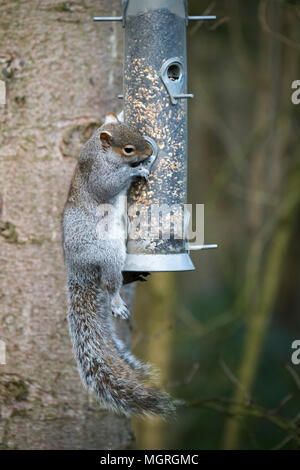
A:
{"points": [[236, 316]]}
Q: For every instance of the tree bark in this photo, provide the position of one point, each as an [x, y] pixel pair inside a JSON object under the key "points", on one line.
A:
{"points": [[63, 73]]}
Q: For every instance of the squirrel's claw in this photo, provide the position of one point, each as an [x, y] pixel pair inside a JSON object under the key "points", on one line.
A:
{"points": [[133, 276], [119, 308], [141, 172]]}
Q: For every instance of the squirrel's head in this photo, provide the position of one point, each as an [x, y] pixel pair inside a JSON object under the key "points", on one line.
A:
{"points": [[124, 141]]}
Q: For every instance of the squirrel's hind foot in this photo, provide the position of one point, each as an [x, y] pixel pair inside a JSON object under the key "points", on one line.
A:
{"points": [[119, 308]]}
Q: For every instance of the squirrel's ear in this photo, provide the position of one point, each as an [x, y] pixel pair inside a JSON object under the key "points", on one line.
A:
{"points": [[110, 118], [106, 139]]}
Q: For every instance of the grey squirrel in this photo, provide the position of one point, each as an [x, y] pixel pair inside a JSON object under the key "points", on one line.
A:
{"points": [[94, 264]]}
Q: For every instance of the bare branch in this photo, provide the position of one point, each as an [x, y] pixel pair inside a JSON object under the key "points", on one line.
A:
{"points": [[262, 16], [234, 380], [294, 375]]}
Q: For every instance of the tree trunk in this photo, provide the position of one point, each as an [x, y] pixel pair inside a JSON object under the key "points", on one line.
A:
{"points": [[156, 304], [62, 73]]}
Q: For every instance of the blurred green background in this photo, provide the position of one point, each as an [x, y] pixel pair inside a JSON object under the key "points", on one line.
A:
{"points": [[222, 335]]}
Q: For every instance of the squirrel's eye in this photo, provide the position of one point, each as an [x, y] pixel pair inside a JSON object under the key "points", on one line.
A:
{"points": [[128, 150]]}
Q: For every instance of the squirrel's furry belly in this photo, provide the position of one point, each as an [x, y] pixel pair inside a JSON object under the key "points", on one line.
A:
{"points": [[111, 228]]}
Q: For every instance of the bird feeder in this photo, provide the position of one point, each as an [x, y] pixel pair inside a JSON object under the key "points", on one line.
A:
{"points": [[155, 102]]}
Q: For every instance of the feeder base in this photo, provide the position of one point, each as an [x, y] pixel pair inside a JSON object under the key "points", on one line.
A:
{"points": [[158, 263]]}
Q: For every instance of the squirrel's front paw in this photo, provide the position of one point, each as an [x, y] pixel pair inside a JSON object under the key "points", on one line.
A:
{"points": [[141, 171], [119, 308]]}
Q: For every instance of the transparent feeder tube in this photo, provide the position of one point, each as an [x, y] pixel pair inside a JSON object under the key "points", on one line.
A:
{"points": [[154, 75]]}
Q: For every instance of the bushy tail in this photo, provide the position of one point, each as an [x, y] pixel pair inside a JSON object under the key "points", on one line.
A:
{"points": [[104, 363]]}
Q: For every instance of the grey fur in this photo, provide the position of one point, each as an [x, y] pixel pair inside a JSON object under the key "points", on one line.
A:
{"points": [[94, 272]]}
